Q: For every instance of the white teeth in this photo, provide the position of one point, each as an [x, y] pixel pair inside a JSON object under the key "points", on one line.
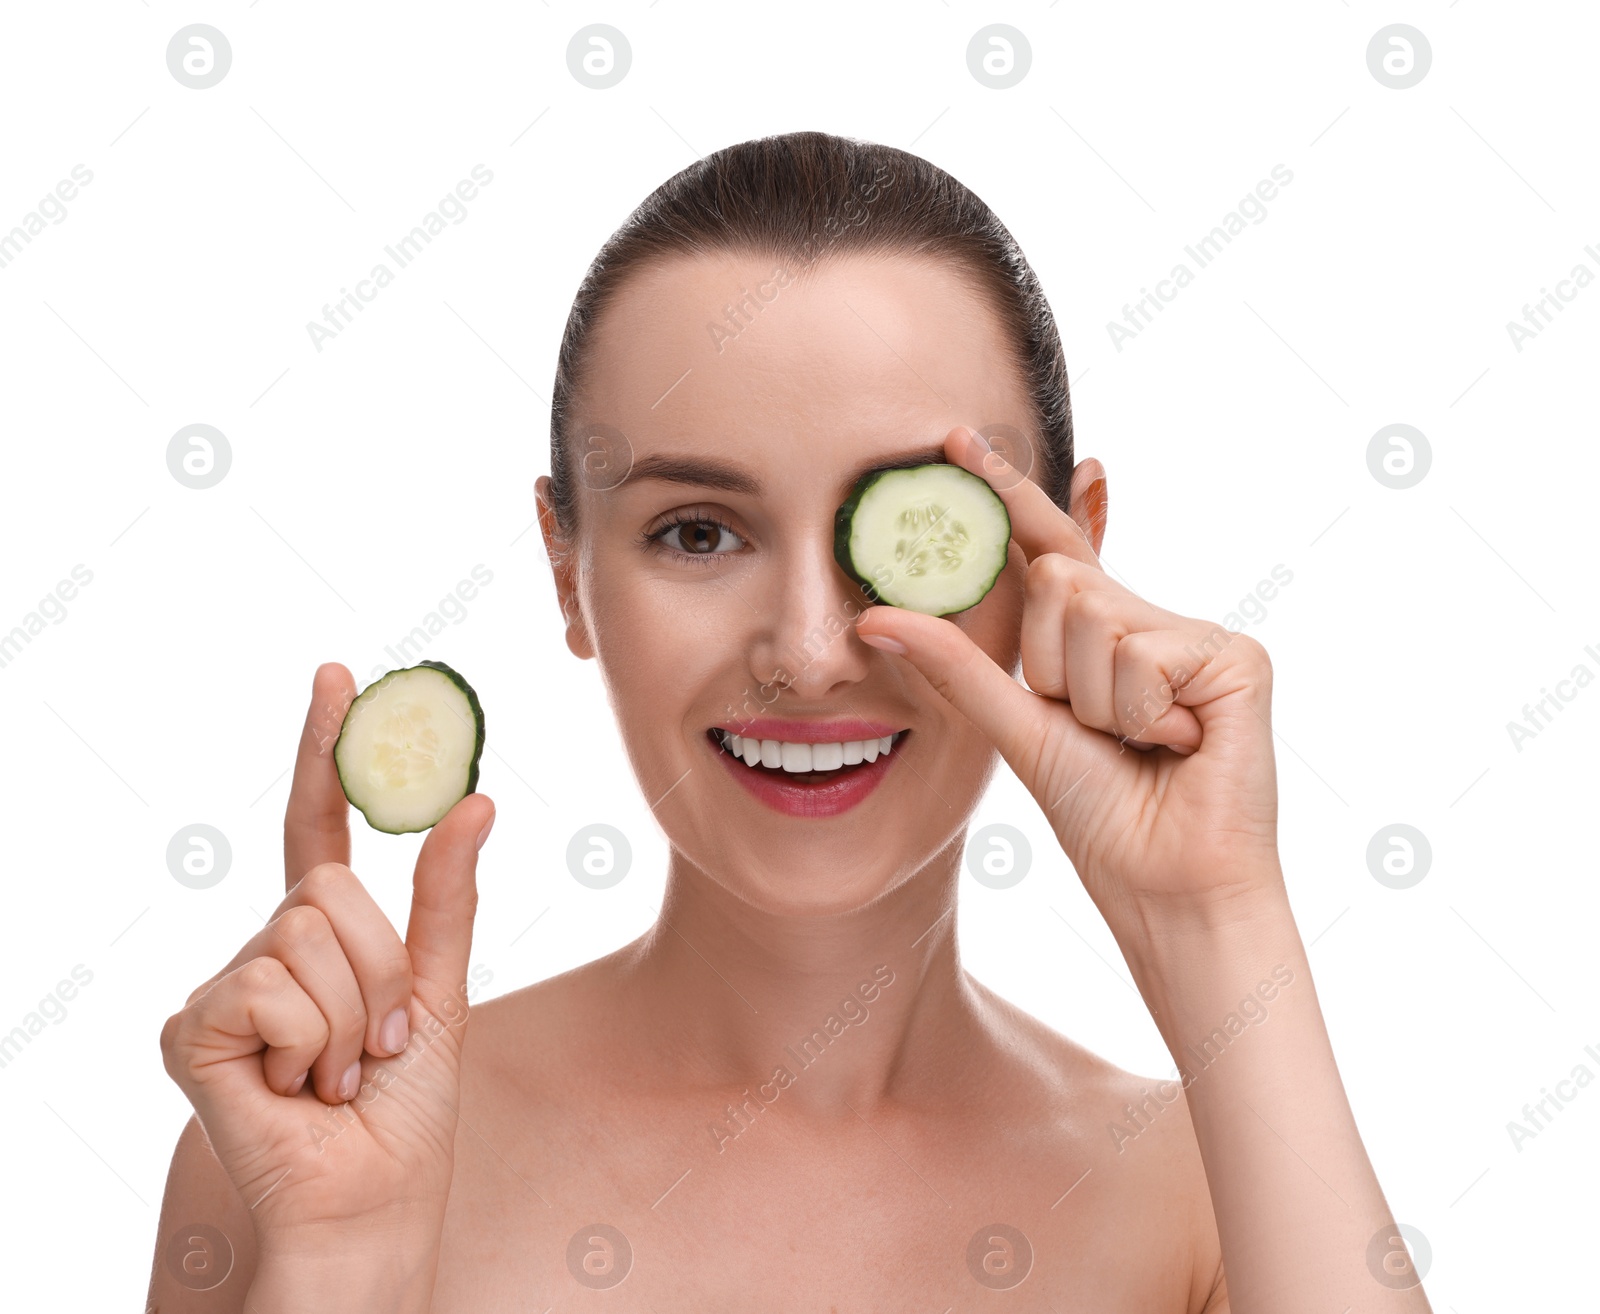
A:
{"points": [[796, 757]]}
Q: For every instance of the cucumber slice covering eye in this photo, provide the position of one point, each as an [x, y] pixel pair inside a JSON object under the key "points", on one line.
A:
{"points": [[409, 747], [931, 538]]}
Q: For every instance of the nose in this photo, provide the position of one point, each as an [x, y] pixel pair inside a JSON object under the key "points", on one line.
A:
{"points": [[805, 632]]}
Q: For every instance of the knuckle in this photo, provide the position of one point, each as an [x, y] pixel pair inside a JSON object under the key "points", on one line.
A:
{"points": [[323, 879], [303, 925], [1253, 652], [263, 976], [395, 965], [1047, 680], [1094, 607], [1048, 570], [169, 1037]]}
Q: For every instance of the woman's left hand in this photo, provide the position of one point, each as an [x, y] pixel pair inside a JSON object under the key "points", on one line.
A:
{"points": [[1146, 738]]}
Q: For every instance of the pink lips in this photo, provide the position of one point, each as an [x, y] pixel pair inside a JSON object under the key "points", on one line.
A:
{"points": [[826, 799]]}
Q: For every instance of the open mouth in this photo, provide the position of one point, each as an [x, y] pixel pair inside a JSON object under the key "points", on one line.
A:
{"points": [[795, 763]]}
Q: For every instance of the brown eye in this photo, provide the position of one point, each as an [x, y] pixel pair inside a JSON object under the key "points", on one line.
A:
{"points": [[699, 537]]}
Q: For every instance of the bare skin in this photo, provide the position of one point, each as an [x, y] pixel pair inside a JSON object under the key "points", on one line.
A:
{"points": [[943, 1142]]}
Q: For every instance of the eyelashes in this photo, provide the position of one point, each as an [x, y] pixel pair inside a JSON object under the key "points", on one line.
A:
{"points": [[656, 539]]}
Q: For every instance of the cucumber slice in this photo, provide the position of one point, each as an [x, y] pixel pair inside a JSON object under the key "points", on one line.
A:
{"points": [[931, 538], [409, 747]]}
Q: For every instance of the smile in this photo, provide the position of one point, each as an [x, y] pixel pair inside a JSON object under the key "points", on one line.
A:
{"points": [[804, 779]]}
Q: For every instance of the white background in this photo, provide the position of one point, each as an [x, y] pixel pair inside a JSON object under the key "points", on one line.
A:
{"points": [[370, 477]]}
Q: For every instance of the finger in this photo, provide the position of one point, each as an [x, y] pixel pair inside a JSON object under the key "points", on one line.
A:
{"points": [[1052, 581], [1122, 657], [966, 677], [316, 825], [208, 1047], [1146, 689], [444, 902], [1097, 623], [372, 947], [303, 940], [1037, 523]]}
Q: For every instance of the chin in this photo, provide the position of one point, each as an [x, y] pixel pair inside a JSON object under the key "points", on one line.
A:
{"points": [[803, 887]]}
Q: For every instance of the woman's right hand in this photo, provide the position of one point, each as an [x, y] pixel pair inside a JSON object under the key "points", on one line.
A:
{"points": [[323, 1061]]}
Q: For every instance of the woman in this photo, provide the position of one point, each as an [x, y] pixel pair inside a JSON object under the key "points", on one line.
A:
{"points": [[788, 1094]]}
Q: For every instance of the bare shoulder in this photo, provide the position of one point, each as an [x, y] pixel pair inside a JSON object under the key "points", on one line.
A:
{"points": [[205, 1253], [1133, 1134], [543, 1035]]}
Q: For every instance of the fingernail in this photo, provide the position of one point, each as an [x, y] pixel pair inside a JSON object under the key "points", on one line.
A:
{"points": [[393, 1037], [298, 1082], [350, 1082], [484, 833], [882, 641], [978, 441]]}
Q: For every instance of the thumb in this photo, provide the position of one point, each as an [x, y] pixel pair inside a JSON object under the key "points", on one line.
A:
{"points": [[967, 678], [444, 902]]}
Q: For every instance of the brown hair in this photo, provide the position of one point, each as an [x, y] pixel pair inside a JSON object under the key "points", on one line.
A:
{"points": [[803, 196]]}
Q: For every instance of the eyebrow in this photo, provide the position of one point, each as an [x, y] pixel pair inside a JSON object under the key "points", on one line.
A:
{"points": [[703, 473]]}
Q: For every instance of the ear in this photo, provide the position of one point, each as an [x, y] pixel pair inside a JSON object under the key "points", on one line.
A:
{"points": [[1087, 500], [563, 565]]}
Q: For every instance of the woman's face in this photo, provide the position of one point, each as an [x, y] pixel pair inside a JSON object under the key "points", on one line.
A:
{"points": [[740, 612]]}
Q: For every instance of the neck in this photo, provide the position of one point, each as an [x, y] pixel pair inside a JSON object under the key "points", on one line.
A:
{"points": [[832, 1014]]}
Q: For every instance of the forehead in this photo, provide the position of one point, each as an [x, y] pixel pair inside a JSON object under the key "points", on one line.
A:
{"points": [[736, 356]]}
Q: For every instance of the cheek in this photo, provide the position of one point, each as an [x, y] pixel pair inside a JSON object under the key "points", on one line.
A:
{"points": [[657, 641]]}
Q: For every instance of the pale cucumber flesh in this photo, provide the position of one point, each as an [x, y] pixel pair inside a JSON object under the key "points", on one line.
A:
{"points": [[409, 747], [932, 538]]}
